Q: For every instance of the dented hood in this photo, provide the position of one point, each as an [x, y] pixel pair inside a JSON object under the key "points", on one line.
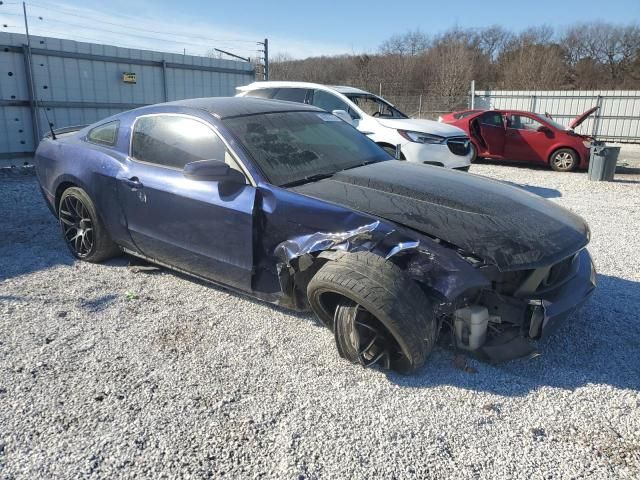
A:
{"points": [[504, 225]]}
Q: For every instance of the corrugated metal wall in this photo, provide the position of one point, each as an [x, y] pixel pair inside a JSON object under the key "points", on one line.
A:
{"points": [[617, 120], [79, 83]]}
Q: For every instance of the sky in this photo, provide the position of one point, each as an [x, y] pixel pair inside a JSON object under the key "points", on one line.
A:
{"points": [[298, 28]]}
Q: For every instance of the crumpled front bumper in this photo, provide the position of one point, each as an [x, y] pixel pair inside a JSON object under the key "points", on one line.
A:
{"points": [[550, 310]]}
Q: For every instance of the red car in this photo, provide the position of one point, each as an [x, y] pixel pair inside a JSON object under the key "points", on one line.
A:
{"points": [[525, 136]]}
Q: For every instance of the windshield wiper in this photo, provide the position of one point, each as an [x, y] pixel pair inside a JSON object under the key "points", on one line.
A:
{"points": [[368, 162], [308, 178]]}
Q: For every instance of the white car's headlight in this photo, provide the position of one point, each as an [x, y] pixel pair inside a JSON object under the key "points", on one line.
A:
{"points": [[419, 137]]}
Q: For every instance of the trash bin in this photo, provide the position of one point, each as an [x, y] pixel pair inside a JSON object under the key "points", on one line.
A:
{"points": [[602, 163]]}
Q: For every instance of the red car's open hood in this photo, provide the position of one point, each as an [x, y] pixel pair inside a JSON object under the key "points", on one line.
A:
{"points": [[581, 118]]}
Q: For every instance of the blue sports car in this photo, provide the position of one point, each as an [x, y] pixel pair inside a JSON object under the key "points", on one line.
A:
{"points": [[289, 204]]}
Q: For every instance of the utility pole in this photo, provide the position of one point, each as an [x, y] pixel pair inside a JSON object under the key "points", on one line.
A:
{"points": [[265, 65]]}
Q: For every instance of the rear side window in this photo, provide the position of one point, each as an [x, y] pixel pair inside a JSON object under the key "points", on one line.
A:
{"points": [[298, 95], [105, 134], [261, 93], [173, 141]]}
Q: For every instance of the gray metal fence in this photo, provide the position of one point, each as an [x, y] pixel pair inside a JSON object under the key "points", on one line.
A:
{"points": [[617, 120], [80, 83]]}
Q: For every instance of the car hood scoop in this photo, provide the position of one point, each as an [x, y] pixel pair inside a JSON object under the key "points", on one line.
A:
{"points": [[502, 224]]}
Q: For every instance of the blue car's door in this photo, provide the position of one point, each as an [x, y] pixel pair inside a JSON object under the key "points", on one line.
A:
{"points": [[193, 225]]}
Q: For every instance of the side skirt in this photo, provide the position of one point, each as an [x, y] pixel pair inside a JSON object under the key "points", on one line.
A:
{"points": [[270, 298]]}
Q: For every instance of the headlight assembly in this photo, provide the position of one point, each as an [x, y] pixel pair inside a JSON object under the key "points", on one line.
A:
{"points": [[419, 137]]}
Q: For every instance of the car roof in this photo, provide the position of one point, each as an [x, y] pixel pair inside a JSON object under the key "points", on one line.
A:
{"points": [[225, 107], [282, 84], [346, 89]]}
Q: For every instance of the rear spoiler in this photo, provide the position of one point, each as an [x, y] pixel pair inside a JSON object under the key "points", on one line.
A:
{"points": [[62, 131]]}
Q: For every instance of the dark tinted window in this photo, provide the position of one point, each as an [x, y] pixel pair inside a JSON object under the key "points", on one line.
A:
{"points": [[173, 141], [289, 147], [291, 94], [106, 134], [465, 114], [262, 93], [493, 119]]}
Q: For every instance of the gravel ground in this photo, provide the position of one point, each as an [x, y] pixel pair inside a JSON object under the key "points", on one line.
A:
{"points": [[106, 372]]}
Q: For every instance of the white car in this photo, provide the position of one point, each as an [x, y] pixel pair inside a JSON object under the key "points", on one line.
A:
{"points": [[421, 141]]}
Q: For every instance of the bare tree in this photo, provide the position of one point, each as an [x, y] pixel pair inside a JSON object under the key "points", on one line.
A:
{"points": [[410, 43], [613, 46], [596, 55]]}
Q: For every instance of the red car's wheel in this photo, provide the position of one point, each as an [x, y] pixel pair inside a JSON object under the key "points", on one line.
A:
{"points": [[563, 160]]}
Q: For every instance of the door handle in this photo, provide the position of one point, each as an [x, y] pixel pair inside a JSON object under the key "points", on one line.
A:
{"points": [[134, 183]]}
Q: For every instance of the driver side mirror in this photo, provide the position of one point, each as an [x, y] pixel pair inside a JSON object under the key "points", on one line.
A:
{"points": [[343, 115], [544, 129], [213, 170]]}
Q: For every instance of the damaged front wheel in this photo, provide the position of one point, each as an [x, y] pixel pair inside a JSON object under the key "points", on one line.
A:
{"points": [[379, 316]]}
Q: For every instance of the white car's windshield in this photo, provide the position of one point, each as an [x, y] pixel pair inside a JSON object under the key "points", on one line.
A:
{"points": [[375, 106]]}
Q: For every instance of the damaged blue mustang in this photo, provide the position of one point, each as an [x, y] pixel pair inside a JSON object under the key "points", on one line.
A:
{"points": [[290, 204]]}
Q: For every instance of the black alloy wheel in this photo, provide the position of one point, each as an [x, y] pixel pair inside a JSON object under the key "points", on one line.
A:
{"points": [[77, 226]]}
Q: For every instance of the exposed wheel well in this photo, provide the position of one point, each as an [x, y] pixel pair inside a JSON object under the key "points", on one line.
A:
{"points": [[392, 147], [60, 190]]}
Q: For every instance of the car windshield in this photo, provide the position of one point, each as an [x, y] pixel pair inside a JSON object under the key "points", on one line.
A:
{"points": [[550, 121], [375, 106], [297, 147]]}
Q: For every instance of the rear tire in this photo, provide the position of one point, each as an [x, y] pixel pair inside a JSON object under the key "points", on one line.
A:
{"points": [[82, 230], [563, 160], [378, 314]]}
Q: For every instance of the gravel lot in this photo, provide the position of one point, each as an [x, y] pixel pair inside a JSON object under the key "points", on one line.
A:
{"points": [[106, 372]]}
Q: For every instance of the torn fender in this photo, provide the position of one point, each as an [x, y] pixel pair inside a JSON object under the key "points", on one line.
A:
{"points": [[440, 268]]}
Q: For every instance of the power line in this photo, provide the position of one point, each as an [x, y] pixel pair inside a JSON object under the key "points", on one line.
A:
{"points": [[144, 37], [128, 27], [260, 54], [148, 38]]}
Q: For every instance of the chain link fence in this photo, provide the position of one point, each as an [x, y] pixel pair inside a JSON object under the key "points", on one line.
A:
{"points": [[427, 106]]}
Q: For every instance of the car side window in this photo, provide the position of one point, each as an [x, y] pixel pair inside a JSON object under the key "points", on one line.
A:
{"points": [[521, 122], [330, 102], [173, 141], [262, 93], [298, 95], [105, 134], [492, 119]]}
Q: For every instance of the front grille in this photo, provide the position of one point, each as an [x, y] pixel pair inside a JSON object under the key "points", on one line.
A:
{"points": [[528, 283], [459, 145]]}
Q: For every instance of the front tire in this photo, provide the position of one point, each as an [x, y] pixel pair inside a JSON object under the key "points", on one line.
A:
{"points": [[563, 160], [474, 153], [379, 316], [83, 231]]}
